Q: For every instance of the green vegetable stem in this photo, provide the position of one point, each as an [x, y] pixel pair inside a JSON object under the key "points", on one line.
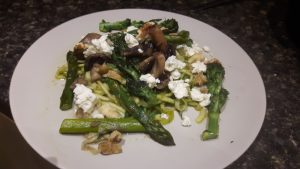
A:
{"points": [[66, 99], [101, 126], [215, 76], [153, 127]]}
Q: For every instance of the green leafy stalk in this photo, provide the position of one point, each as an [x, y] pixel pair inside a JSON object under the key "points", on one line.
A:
{"points": [[140, 89], [215, 76], [137, 24], [109, 26], [153, 127], [101, 126], [66, 99], [169, 25], [182, 37]]}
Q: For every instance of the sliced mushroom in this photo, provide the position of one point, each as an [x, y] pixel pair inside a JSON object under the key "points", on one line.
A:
{"points": [[92, 59], [115, 75], [158, 38], [98, 70], [159, 64], [82, 45], [95, 75], [89, 37], [143, 49], [79, 113], [131, 52], [164, 80], [146, 64], [79, 80], [155, 33], [111, 144], [203, 89]]}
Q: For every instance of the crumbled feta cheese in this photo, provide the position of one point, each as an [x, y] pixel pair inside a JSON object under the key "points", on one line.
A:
{"points": [[206, 48], [131, 40], [97, 114], [198, 67], [149, 79], [206, 100], [186, 121], [131, 28], [175, 75], [179, 88], [140, 50], [90, 51], [187, 80], [172, 63], [151, 23], [102, 44], [202, 98], [99, 46], [84, 98], [164, 116], [190, 51]]}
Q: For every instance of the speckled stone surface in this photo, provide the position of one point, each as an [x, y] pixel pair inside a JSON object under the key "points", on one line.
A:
{"points": [[259, 27]]}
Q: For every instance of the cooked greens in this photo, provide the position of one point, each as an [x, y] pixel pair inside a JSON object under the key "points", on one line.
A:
{"points": [[134, 75]]}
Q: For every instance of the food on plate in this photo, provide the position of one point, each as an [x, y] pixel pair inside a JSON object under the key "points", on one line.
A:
{"points": [[132, 77]]}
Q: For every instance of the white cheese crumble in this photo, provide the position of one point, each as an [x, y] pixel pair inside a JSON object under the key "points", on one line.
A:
{"points": [[131, 28], [198, 67], [149, 79], [97, 114], [175, 75], [187, 80], [179, 88], [131, 40], [190, 51], [186, 121], [84, 98], [172, 63], [164, 116], [202, 98], [99, 46]]}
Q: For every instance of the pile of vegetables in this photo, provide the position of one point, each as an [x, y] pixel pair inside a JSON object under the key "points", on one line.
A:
{"points": [[129, 104]]}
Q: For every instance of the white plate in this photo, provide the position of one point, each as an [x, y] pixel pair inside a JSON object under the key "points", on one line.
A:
{"points": [[34, 100]]}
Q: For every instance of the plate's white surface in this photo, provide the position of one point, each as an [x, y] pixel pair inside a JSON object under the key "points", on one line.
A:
{"points": [[34, 100]]}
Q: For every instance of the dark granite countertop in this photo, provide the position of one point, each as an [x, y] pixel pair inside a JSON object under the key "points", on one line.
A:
{"points": [[259, 27]]}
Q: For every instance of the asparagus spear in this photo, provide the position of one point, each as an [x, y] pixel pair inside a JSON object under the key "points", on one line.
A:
{"points": [[66, 99], [102, 126], [153, 127], [215, 76]]}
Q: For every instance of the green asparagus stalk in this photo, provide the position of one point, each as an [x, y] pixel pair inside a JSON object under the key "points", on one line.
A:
{"points": [[215, 76], [153, 127], [66, 99], [101, 126]]}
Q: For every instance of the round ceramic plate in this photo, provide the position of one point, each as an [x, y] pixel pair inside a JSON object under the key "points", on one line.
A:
{"points": [[34, 100]]}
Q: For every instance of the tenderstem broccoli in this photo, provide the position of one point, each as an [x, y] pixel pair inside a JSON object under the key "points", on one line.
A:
{"points": [[182, 37], [109, 26], [215, 76]]}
